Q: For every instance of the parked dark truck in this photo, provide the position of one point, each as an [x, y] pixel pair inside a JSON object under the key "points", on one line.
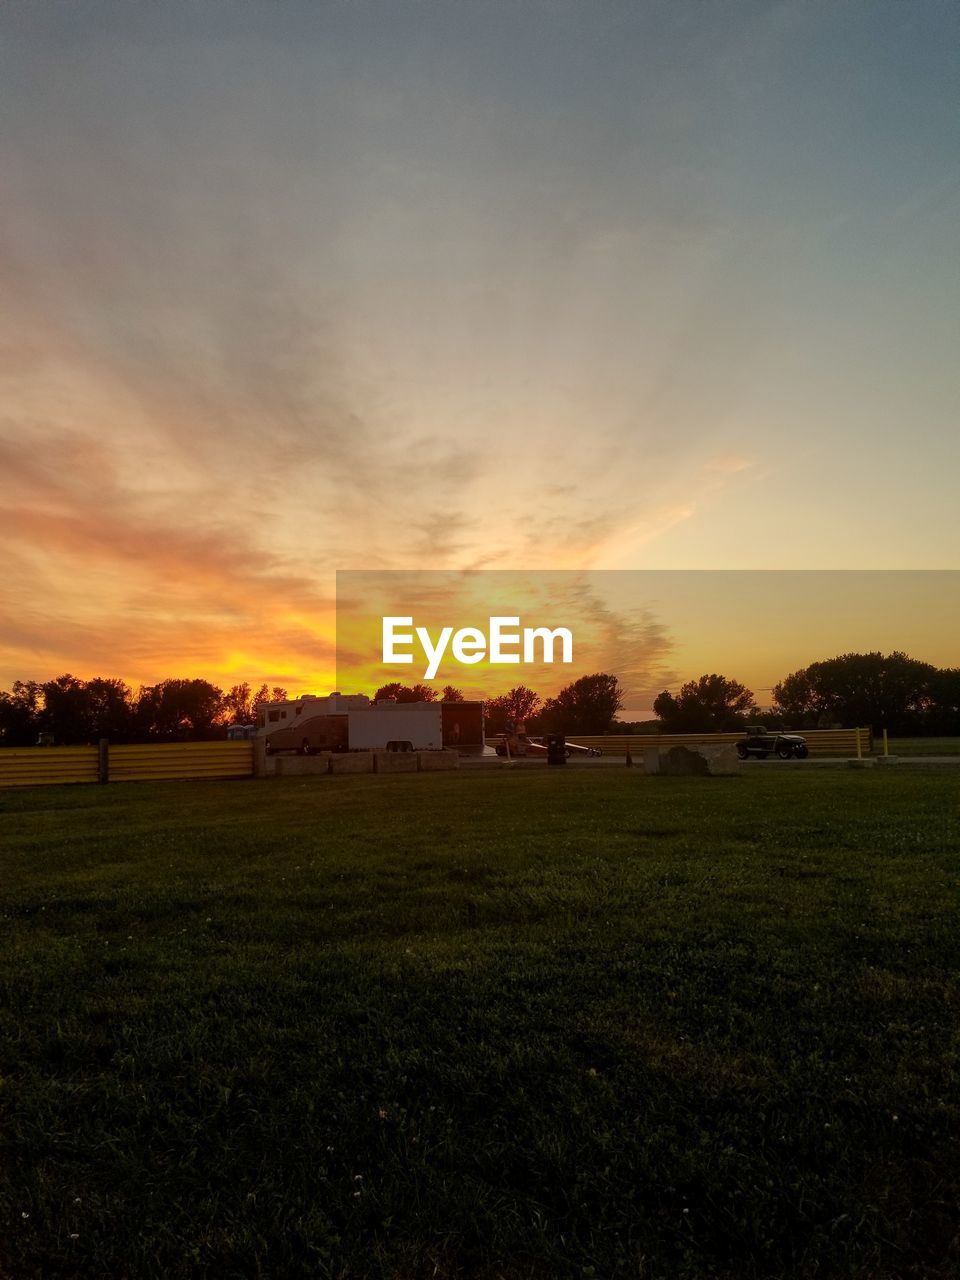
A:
{"points": [[759, 743]]}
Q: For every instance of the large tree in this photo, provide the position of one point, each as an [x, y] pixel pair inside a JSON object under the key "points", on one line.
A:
{"points": [[890, 691], [238, 704], [405, 693], [179, 710], [518, 706], [20, 714], [111, 710], [943, 715], [266, 694], [710, 704], [586, 706], [76, 711], [67, 713]]}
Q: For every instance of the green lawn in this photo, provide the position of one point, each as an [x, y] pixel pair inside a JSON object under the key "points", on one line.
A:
{"points": [[921, 746], [542, 1023]]}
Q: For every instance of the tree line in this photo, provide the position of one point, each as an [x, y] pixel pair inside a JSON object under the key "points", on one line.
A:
{"points": [[588, 705], [883, 691], [69, 710], [892, 691]]}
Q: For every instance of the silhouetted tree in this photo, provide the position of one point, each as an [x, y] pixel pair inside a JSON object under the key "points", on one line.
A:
{"points": [[586, 706], [77, 711], [882, 690], [261, 696], [711, 704], [635, 726], [179, 710], [266, 694], [518, 706], [450, 694], [67, 711], [405, 693], [238, 704], [111, 710], [20, 714], [944, 711], [800, 701]]}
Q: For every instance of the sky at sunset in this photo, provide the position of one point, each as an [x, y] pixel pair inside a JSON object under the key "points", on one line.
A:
{"points": [[292, 288], [653, 628]]}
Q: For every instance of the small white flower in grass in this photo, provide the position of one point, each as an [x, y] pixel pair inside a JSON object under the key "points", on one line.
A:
{"points": [[74, 1235], [24, 1215], [895, 1117]]}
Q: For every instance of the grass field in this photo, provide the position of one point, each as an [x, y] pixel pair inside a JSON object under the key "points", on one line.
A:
{"points": [[922, 746], [490, 1024]]}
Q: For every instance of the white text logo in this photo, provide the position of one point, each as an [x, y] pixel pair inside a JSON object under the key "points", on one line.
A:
{"points": [[506, 643]]}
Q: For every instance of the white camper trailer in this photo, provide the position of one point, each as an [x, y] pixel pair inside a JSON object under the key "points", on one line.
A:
{"points": [[396, 726], [350, 722]]}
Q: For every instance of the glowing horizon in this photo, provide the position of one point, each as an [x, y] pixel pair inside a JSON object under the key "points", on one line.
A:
{"points": [[420, 286]]}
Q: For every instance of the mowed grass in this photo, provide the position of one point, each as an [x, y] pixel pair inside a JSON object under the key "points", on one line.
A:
{"points": [[921, 746], [542, 1023]]}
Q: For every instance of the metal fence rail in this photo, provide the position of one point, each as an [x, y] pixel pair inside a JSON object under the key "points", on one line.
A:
{"points": [[42, 766], [181, 760], [48, 766], [821, 742]]}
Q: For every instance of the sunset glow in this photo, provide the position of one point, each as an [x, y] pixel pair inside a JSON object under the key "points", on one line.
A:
{"points": [[545, 286]]}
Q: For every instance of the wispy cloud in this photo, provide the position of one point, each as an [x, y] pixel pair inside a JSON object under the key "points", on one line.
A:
{"points": [[555, 290]]}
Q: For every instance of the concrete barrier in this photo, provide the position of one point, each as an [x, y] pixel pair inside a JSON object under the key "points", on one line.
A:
{"points": [[717, 761], [300, 766], [395, 762], [434, 761], [292, 766], [722, 760], [352, 762]]}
